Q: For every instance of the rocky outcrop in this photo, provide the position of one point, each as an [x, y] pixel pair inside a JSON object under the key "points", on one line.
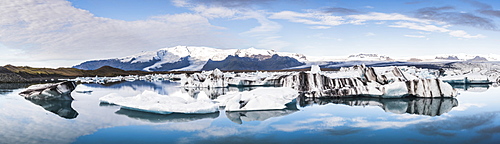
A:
{"points": [[275, 62], [51, 91], [7, 76]]}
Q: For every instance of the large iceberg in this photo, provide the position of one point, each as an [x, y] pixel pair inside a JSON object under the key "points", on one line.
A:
{"points": [[152, 102], [50, 91], [209, 79], [385, 82], [266, 98], [471, 73]]}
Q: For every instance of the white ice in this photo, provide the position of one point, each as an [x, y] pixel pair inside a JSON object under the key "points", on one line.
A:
{"points": [[152, 102], [266, 98]]}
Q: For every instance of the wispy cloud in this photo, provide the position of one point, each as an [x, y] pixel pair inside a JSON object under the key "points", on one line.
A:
{"points": [[313, 18], [415, 36], [52, 30], [442, 14], [484, 8], [433, 28], [340, 10]]}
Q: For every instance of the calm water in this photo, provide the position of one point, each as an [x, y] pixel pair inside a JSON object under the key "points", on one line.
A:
{"points": [[473, 117]]}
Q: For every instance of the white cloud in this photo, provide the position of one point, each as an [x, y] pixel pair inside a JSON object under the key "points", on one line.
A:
{"points": [[418, 26], [326, 21], [313, 18], [320, 27], [463, 34], [369, 34], [415, 36], [375, 16], [55, 30], [215, 12], [433, 28]]}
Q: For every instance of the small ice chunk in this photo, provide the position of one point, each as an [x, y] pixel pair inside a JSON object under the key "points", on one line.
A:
{"points": [[315, 69]]}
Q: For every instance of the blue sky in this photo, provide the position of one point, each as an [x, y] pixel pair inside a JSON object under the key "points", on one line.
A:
{"points": [[59, 33]]}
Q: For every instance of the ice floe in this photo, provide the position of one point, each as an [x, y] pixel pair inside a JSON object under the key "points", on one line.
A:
{"points": [[266, 98], [152, 102]]}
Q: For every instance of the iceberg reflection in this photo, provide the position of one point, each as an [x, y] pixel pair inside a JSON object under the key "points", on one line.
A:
{"points": [[159, 118], [472, 87], [60, 107], [419, 106], [260, 115]]}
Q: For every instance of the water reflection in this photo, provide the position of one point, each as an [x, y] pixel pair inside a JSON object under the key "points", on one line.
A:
{"points": [[161, 87], [158, 118], [260, 115], [60, 107], [213, 93], [419, 106], [471, 87], [6, 88]]}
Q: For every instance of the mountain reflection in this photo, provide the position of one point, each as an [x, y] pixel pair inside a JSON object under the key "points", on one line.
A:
{"points": [[159, 118], [419, 106], [60, 107]]}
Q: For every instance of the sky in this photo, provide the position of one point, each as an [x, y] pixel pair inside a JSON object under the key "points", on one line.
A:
{"points": [[63, 33]]}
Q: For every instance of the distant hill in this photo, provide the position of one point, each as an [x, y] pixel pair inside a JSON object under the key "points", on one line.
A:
{"points": [[11, 73]]}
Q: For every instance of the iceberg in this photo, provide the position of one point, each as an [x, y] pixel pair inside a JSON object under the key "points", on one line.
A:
{"points": [[210, 79], [266, 98], [152, 102], [255, 79], [50, 91], [83, 89], [384, 82]]}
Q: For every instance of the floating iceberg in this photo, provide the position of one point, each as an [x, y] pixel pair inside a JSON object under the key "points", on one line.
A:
{"points": [[315, 69], [210, 79], [384, 82], [83, 89], [266, 98], [471, 73], [51, 91], [153, 102], [255, 79]]}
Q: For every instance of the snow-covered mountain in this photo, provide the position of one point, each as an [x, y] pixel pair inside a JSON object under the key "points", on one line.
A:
{"points": [[195, 58], [190, 58]]}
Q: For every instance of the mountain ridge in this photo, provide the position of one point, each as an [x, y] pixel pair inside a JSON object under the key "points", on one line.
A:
{"points": [[191, 58]]}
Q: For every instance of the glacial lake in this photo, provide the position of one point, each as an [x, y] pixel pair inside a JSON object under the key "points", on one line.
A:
{"points": [[472, 117]]}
